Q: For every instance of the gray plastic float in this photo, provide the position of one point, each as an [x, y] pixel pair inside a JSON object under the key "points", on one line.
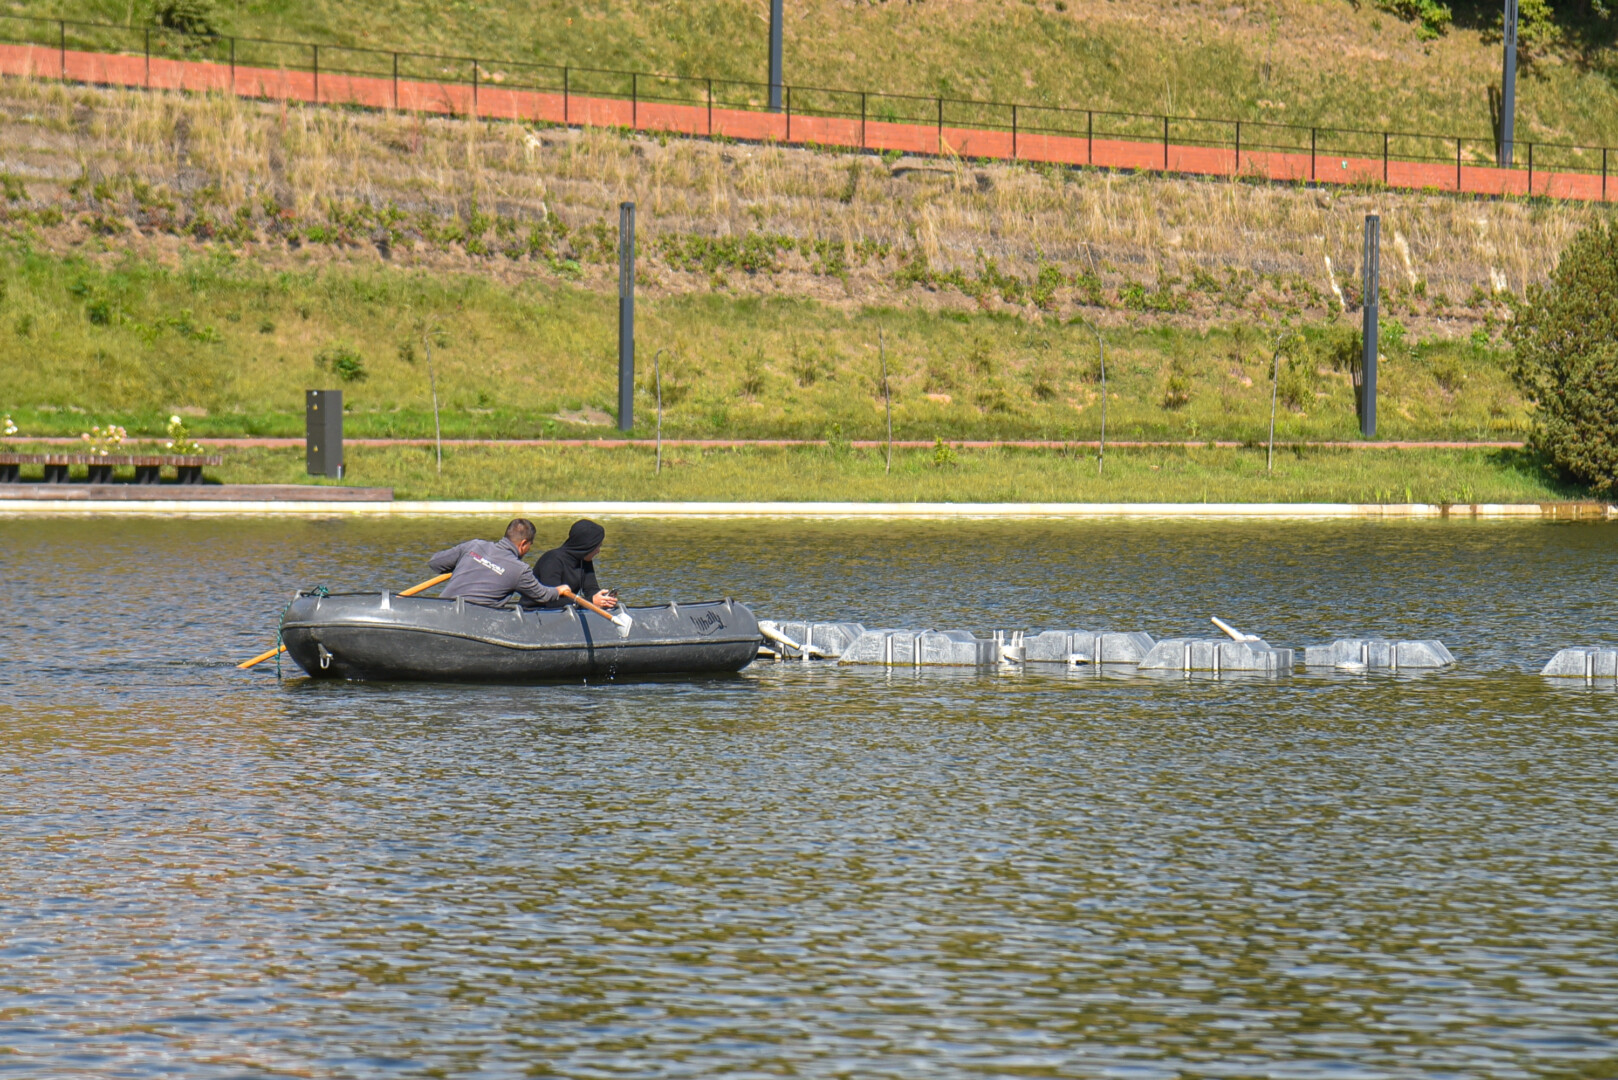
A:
{"points": [[1085, 647], [1218, 654], [800, 640], [921, 648], [1584, 662], [1358, 654]]}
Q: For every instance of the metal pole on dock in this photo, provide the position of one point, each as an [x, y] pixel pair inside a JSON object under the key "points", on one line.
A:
{"points": [[626, 316]]}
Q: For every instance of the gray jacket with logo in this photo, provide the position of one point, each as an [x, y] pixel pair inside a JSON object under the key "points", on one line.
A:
{"points": [[488, 571]]}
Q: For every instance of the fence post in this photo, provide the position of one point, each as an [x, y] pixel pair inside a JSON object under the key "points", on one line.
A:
{"points": [[862, 121], [61, 44], [474, 89], [1311, 154], [316, 69], [1457, 164], [1238, 146], [787, 93], [1089, 137], [1603, 174], [940, 124], [634, 99], [565, 117], [148, 58], [395, 82], [1013, 132], [1165, 144], [1530, 170], [233, 66], [710, 108], [1384, 159]]}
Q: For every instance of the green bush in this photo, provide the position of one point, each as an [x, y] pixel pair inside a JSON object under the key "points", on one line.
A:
{"points": [[1177, 390], [186, 16], [1566, 339], [1433, 19], [1298, 381], [342, 362]]}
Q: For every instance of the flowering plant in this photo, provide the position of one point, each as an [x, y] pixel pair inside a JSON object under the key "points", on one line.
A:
{"points": [[180, 440], [104, 440], [7, 428]]}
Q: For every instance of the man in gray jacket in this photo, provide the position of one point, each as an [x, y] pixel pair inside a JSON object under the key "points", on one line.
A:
{"points": [[487, 571]]}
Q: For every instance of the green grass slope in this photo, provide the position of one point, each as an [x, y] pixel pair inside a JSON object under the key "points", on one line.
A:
{"points": [[121, 337]]}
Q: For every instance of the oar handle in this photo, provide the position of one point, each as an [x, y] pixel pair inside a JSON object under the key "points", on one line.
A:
{"points": [[582, 602], [414, 589]]}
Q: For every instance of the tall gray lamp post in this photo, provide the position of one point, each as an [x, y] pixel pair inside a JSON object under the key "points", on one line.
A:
{"points": [[775, 56], [626, 316], [1508, 84], [1371, 271]]}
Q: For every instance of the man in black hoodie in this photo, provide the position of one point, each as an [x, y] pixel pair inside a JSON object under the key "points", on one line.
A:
{"points": [[572, 565]]}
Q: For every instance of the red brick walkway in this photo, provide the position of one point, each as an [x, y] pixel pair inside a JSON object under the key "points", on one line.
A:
{"points": [[492, 101]]}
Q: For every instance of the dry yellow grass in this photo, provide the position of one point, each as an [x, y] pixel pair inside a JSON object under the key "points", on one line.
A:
{"points": [[150, 164]]}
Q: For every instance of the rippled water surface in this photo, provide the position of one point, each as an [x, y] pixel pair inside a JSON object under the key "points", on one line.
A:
{"points": [[804, 870]]}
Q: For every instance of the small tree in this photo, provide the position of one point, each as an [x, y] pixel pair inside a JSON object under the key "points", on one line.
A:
{"points": [[1566, 339]]}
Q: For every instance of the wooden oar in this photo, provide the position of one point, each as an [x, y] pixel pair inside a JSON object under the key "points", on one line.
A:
{"points": [[429, 583], [622, 620], [279, 649]]}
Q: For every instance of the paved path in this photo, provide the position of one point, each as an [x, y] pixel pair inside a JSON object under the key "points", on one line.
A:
{"points": [[1030, 133], [863, 444]]}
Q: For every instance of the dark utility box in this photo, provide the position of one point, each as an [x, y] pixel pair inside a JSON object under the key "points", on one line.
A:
{"points": [[323, 428]]}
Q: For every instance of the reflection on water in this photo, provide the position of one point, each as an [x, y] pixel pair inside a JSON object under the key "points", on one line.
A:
{"points": [[807, 870]]}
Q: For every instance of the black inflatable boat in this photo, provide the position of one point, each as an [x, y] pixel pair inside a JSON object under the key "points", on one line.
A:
{"points": [[383, 636]]}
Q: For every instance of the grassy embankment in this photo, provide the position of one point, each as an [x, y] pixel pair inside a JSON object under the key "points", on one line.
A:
{"points": [[839, 473], [216, 257], [1287, 61], [233, 347]]}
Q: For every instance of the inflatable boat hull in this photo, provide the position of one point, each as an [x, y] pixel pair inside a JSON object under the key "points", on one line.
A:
{"points": [[386, 637]]}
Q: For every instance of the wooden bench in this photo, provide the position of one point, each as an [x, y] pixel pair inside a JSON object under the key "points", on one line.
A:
{"points": [[148, 467]]}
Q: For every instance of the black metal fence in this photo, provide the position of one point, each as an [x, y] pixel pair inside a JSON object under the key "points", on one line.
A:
{"points": [[1251, 145]]}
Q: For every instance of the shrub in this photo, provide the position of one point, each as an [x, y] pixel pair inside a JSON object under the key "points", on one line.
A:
{"points": [[1297, 382], [186, 16], [753, 383], [1343, 350], [1565, 336], [342, 362], [1177, 391]]}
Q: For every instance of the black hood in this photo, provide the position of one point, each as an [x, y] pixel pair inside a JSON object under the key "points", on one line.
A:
{"points": [[583, 538]]}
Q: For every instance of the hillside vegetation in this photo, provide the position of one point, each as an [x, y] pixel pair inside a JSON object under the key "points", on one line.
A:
{"points": [[213, 256], [1400, 63]]}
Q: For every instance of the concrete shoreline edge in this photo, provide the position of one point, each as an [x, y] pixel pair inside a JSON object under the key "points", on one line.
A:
{"points": [[1548, 511]]}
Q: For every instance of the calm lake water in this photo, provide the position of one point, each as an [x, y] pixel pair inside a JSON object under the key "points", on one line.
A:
{"points": [[804, 870]]}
